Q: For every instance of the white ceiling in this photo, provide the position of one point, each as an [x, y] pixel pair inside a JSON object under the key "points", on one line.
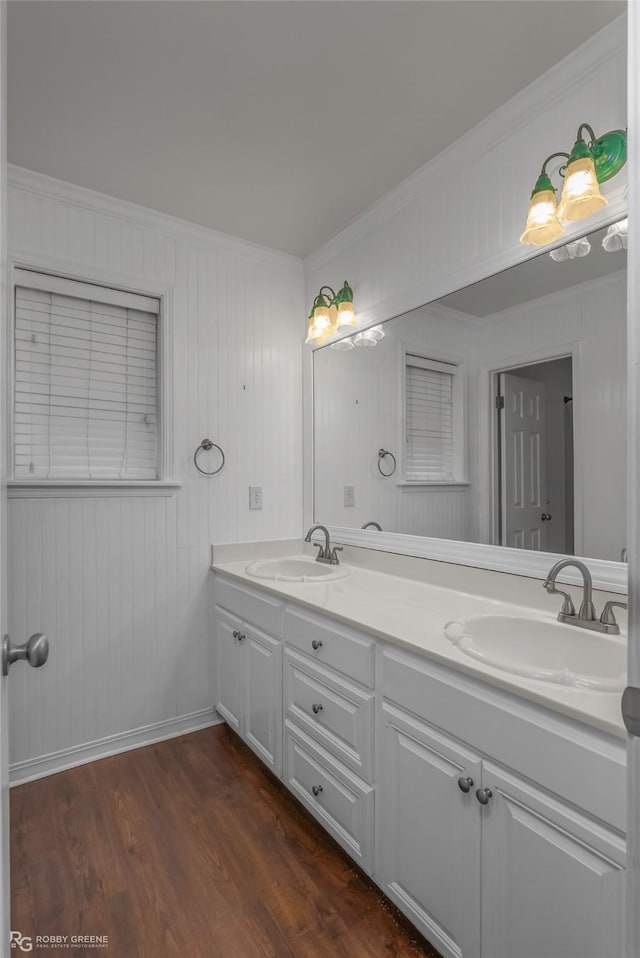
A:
{"points": [[278, 122]]}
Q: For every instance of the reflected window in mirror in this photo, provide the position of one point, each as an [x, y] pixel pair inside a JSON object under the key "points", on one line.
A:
{"points": [[433, 420]]}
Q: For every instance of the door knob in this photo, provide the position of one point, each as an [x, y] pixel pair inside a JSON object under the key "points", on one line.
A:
{"points": [[35, 651]]}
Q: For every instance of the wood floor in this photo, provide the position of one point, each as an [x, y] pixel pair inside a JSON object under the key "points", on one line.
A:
{"points": [[190, 849]]}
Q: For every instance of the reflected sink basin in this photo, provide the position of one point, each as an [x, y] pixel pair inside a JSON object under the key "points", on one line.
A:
{"points": [[543, 649], [296, 569]]}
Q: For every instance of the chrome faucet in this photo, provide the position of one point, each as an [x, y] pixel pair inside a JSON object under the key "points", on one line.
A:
{"points": [[372, 525], [586, 617], [325, 553]]}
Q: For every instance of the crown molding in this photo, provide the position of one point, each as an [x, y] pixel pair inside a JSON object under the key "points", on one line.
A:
{"points": [[30, 181]]}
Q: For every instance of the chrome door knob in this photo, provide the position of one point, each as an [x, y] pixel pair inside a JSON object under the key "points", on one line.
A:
{"points": [[465, 784], [35, 651], [316, 644], [316, 789], [483, 795], [315, 708]]}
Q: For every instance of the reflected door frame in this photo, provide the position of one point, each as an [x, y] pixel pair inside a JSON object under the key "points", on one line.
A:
{"points": [[489, 463]]}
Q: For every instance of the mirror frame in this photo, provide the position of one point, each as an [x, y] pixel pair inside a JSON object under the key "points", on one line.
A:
{"points": [[607, 575]]}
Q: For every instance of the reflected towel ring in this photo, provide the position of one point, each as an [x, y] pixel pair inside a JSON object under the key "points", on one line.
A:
{"points": [[207, 445], [382, 453]]}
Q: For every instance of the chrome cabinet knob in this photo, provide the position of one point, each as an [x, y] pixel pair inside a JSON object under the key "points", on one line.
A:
{"points": [[465, 784], [235, 633], [315, 708], [546, 517], [483, 795], [238, 635], [35, 651], [316, 644], [316, 789]]}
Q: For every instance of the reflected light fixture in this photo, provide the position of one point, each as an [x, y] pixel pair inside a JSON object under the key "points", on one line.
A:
{"points": [[616, 237], [588, 165], [576, 250], [369, 337], [330, 312]]}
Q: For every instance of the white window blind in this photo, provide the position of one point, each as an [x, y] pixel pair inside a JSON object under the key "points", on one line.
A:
{"points": [[429, 418], [85, 401]]}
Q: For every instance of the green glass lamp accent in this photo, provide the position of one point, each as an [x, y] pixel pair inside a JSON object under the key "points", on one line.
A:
{"points": [[344, 295], [330, 312]]}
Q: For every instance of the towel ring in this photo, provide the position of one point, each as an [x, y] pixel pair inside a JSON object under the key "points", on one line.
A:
{"points": [[207, 444], [382, 454]]}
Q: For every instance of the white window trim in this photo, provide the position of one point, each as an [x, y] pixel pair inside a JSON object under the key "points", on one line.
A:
{"points": [[165, 484], [448, 363]]}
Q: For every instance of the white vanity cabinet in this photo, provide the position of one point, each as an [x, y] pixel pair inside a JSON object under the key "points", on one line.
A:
{"points": [[248, 670], [484, 861], [496, 825]]}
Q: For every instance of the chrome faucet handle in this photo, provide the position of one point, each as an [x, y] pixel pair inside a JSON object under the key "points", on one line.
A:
{"points": [[319, 546], [568, 608], [334, 555], [607, 617]]}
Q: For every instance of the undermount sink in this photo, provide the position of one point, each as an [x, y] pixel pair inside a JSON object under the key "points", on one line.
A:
{"points": [[296, 569], [543, 649]]}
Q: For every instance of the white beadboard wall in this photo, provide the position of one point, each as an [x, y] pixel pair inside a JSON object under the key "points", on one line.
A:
{"points": [[459, 218], [120, 583]]}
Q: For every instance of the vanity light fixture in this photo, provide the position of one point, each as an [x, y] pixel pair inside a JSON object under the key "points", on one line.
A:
{"points": [[330, 312], [588, 165]]}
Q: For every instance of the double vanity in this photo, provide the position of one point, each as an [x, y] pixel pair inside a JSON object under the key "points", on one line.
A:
{"points": [[462, 745]]}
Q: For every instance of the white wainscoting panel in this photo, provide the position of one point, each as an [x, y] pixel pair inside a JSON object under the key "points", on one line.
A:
{"points": [[120, 583]]}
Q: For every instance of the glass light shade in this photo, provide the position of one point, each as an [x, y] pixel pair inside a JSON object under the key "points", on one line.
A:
{"points": [[581, 194], [543, 225], [346, 315], [314, 334], [322, 317], [344, 344]]}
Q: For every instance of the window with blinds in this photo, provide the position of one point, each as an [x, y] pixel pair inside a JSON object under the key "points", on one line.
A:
{"points": [[85, 381], [430, 447]]}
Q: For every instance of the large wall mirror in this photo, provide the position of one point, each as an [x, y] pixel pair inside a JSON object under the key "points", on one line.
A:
{"points": [[495, 415]]}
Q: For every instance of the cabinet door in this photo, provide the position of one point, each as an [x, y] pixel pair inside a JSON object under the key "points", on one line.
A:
{"points": [[229, 677], [552, 879], [263, 697], [429, 832]]}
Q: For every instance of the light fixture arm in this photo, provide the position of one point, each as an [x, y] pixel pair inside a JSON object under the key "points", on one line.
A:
{"points": [[553, 157], [585, 126]]}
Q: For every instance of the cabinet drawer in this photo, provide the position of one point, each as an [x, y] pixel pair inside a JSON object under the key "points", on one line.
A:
{"points": [[341, 802], [249, 606], [340, 648], [332, 710]]}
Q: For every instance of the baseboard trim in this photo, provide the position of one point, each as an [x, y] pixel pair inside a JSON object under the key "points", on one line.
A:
{"points": [[33, 768]]}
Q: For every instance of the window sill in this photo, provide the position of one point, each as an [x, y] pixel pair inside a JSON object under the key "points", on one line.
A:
{"points": [[69, 488], [443, 484]]}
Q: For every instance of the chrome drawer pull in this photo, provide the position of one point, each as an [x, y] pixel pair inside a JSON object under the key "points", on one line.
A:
{"points": [[465, 784], [316, 789], [316, 708], [316, 644]]}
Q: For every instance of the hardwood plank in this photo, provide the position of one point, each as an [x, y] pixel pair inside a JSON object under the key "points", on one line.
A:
{"points": [[190, 848]]}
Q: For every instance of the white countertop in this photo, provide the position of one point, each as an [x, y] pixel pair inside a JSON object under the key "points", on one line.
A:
{"points": [[413, 613]]}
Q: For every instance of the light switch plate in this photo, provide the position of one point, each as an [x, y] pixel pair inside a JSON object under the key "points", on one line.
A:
{"points": [[349, 495], [255, 497]]}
